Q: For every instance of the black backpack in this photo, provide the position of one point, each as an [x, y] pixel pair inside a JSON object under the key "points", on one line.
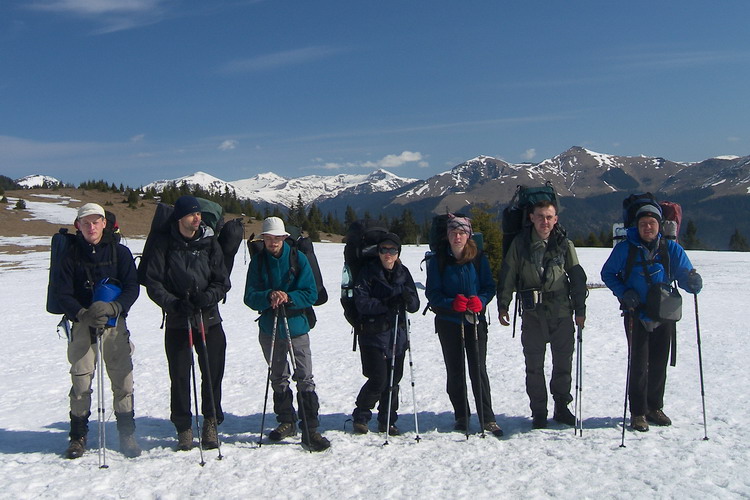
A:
{"points": [[62, 243], [438, 241], [229, 235], [516, 214], [360, 248], [297, 243], [633, 203]]}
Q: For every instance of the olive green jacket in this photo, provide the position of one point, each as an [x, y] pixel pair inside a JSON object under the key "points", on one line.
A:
{"points": [[550, 268]]}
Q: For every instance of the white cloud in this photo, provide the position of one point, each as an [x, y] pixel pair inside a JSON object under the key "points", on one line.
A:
{"points": [[529, 154], [733, 139], [228, 145], [278, 59], [388, 161], [113, 15], [138, 138]]}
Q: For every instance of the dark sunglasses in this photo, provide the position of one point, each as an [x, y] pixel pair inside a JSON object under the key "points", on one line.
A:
{"points": [[388, 250]]}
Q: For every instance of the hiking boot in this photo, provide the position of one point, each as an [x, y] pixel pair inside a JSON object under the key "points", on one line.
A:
{"points": [[638, 423], [128, 446], [185, 440], [461, 425], [493, 428], [76, 447], [314, 441], [657, 417], [360, 428], [392, 430], [285, 429], [562, 415], [539, 421], [209, 436]]}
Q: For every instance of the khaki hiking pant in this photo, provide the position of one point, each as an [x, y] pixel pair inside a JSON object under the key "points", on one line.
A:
{"points": [[118, 359]]}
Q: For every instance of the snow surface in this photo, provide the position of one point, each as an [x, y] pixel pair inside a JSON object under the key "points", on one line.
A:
{"points": [[673, 462]]}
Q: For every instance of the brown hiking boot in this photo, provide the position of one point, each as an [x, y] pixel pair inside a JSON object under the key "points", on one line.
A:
{"points": [[76, 448], [493, 428], [210, 435], [392, 430], [360, 428], [284, 430], [185, 440], [314, 441], [638, 423], [129, 446], [657, 417]]}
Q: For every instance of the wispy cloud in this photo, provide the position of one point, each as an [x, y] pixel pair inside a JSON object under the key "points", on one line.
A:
{"points": [[278, 60], [228, 145], [112, 15], [529, 154], [388, 161], [644, 58]]}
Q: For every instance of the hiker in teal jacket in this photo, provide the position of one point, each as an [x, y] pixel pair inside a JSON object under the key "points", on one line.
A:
{"points": [[280, 285]]}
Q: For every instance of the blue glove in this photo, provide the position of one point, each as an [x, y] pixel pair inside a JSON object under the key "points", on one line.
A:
{"points": [[630, 299], [694, 282]]}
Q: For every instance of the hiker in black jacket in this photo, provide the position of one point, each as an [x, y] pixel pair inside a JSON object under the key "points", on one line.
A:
{"points": [[384, 290], [186, 277], [96, 256]]}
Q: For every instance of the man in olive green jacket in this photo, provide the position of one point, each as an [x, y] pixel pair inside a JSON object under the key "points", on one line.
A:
{"points": [[542, 267]]}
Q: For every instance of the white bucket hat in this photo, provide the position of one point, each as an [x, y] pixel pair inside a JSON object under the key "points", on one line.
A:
{"points": [[274, 227]]}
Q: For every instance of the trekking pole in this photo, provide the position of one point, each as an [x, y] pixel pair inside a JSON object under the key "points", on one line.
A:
{"points": [[700, 365], [515, 315], [631, 313], [274, 331], [102, 453], [195, 388], [463, 367], [411, 369], [390, 382], [480, 409], [579, 384], [294, 371], [210, 384]]}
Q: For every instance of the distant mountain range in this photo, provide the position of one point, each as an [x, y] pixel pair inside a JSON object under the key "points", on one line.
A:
{"points": [[591, 186]]}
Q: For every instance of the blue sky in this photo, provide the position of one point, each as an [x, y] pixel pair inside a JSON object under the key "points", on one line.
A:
{"points": [[140, 90]]}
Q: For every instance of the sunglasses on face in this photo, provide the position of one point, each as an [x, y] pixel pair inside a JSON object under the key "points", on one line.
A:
{"points": [[388, 250]]}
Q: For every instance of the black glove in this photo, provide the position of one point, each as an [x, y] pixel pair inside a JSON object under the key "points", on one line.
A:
{"points": [[694, 282], [201, 300], [630, 299], [183, 307], [395, 301]]}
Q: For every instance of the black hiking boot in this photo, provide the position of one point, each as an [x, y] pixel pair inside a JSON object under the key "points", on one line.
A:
{"points": [[539, 421], [657, 417], [284, 430], [392, 430], [210, 435], [76, 448], [493, 428], [562, 415], [461, 425], [314, 441], [185, 440]]}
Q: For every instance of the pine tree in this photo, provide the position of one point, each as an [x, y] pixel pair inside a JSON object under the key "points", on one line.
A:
{"points": [[690, 241], [349, 216], [483, 222], [738, 243]]}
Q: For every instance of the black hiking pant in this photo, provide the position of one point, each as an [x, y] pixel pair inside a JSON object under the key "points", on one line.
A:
{"points": [[449, 334], [648, 365], [178, 357], [377, 368], [537, 330]]}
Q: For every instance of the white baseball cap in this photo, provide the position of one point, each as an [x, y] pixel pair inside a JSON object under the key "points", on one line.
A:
{"points": [[90, 209]]}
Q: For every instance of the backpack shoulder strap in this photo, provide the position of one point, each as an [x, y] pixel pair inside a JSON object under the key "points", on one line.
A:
{"points": [[629, 263]]}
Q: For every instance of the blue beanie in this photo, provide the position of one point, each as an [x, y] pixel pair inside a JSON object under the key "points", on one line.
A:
{"points": [[186, 205]]}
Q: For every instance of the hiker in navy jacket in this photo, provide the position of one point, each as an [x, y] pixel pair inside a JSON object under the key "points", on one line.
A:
{"points": [[458, 290], [94, 256], [384, 290], [649, 339]]}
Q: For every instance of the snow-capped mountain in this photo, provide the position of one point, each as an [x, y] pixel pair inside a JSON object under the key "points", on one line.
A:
{"points": [[269, 188], [37, 180]]}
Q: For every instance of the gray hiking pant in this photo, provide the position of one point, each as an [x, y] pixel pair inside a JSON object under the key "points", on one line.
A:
{"points": [[118, 359]]}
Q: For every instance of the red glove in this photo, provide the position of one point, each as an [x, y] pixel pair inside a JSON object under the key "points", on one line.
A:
{"points": [[473, 304], [459, 303]]}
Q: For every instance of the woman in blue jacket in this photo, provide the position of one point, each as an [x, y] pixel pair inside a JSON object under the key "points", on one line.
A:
{"points": [[383, 292], [459, 287], [645, 257]]}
